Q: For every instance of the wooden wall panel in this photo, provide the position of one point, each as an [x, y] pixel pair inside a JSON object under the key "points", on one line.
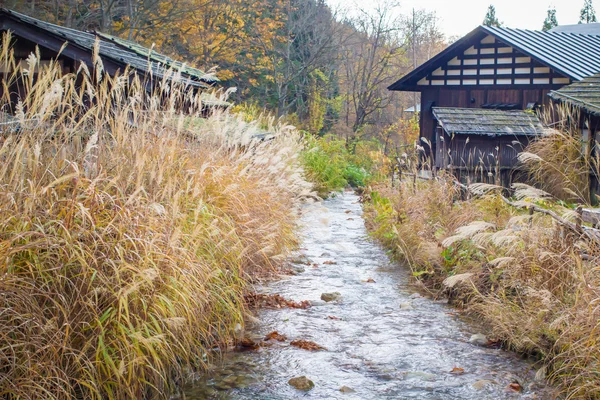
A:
{"points": [[503, 96], [546, 100], [483, 152], [453, 98], [428, 97], [532, 96], [477, 98]]}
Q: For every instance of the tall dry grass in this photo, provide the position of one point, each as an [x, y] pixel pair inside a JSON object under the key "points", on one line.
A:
{"points": [[128, 229], [535, 284], [562, 162], [414, 219]]}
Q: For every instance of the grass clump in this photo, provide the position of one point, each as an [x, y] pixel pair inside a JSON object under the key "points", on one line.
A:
{"points": [[127, 233], [533, 283]]}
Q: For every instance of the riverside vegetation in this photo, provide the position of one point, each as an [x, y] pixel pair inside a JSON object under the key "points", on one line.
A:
{"points": [[533, 283], [128, 230]]}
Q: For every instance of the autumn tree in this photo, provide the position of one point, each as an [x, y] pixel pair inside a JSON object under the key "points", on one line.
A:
{"points": [[372, 59], [550, 22], [303, 45], [490, 17], [423, 37], [293, 57], [587, 15], [154, 20]]}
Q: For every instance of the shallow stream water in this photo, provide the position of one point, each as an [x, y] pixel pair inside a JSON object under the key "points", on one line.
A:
{"points": [[384, 341]]}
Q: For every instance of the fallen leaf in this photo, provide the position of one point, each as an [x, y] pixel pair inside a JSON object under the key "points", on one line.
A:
{"points": [[334, 318], [457, 371], [330, 263], [348, 211], [255, 300], [247, 343], [307, 345], [370, 280], [276, 336], [514, 387], [350, 219]]}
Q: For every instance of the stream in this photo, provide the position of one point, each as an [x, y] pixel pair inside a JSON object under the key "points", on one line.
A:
{"points": [[382, 339]]}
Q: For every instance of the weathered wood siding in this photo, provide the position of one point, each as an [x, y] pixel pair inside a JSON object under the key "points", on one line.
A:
{"points": [[478, 152], [473, 98]]}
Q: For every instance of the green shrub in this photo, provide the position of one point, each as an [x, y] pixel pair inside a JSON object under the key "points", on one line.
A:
{"points": [[331, 166]]}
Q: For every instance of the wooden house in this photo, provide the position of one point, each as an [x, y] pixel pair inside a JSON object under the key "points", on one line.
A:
{"points": [[72, 47], [583, 98], [479, 96]]}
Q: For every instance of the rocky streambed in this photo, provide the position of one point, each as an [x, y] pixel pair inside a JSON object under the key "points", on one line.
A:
{"points": [[375, 337]]}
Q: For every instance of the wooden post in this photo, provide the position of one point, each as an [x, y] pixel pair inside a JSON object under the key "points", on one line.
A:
{"points": [[399, 175], [468, 187], [579, 220], [415, 181], [531, 211]]}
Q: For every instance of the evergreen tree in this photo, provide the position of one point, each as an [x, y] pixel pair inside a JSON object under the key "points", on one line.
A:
{"points": [[490, 17], [550, 21], [587, 14]]}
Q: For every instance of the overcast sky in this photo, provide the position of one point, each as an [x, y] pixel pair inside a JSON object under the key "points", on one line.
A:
{"points": [[458, 17]]}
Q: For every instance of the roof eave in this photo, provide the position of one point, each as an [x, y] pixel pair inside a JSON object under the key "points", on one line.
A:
{"points": [[417, 74], [574, 102], [53, 41]]}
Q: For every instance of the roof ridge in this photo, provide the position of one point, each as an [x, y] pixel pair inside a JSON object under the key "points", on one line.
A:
{"points": [[21, 15], [538, 31]]}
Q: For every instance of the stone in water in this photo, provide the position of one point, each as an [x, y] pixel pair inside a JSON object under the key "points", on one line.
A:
{"points": [[302, 383]]}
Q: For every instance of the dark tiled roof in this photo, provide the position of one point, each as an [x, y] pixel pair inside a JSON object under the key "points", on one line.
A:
{"points": [[117, 51], [573, 54], [477, 121], [584, 94], [159, 58]]}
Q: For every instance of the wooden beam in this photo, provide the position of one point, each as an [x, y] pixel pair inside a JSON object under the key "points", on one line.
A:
{"points": [[491, 76], [495, 45], [484, 66], [488, 56]]}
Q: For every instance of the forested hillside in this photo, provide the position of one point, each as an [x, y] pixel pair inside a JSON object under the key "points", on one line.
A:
{"points": [[323, 68]]}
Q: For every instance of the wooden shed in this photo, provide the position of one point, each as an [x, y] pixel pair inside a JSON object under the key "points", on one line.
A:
{"points": [[72, 47], [483, 142], [584, 98]]}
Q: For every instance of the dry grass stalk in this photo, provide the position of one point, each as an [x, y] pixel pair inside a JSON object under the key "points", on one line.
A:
{"points": [[534, 282], [562, 161], [128, 230]]}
